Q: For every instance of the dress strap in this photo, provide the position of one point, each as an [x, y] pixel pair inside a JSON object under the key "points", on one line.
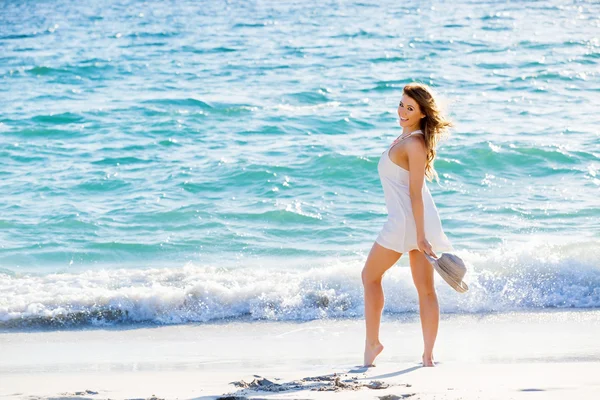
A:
{"points": [[417, 132]]}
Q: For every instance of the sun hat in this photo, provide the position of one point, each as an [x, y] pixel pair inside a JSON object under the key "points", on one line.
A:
{"points": [[452, 268]]}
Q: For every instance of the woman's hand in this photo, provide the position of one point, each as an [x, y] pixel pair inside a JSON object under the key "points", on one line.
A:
{"points": [[425, 247]]}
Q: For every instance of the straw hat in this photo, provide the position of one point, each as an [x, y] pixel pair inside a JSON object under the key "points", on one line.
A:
{"points": [[452, 268]]}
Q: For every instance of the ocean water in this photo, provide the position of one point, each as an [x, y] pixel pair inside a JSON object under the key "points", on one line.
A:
{"points": [[185, 162]]}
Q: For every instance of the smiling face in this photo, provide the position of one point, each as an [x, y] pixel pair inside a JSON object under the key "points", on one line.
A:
{"points": [[409, 113]]}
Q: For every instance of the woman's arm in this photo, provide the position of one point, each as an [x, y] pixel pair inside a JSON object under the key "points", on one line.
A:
{"points": [[417, 160]]}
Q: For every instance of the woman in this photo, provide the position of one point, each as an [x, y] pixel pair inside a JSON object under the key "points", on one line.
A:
{"points": [[413, 223]]}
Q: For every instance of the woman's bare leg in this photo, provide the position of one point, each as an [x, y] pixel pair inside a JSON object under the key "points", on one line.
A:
{"points": [[380, 259], [429, 309]]}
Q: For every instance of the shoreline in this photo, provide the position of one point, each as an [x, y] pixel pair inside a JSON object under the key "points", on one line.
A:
{"points": [[512, 355], [399, 317]]}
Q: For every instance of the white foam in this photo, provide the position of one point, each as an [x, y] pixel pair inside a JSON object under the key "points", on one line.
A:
{"points": [[514, 276]]}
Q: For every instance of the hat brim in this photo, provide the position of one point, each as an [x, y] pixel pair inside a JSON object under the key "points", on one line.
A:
{"points": [[459, 286]]}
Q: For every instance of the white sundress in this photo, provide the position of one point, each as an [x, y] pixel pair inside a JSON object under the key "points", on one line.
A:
{"points": [[399, 233]]}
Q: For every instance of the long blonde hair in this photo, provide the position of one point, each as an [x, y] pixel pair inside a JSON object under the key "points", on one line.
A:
{"points": [[434, 125]]}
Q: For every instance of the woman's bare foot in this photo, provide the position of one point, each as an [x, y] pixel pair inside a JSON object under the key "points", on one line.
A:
{"points": [[371, 352], [428, 361]]}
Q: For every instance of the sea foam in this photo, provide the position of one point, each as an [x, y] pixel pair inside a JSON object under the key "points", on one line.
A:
{"points": [[536, 275]]}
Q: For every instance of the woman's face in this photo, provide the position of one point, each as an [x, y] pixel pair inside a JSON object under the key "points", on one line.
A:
{"points": [[409, 112]]}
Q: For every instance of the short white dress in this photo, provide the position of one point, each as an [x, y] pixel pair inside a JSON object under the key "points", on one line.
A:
{"points": [[399, 233]]}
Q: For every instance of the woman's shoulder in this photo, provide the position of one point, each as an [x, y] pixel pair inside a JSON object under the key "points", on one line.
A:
{"points": [[416, 142]]}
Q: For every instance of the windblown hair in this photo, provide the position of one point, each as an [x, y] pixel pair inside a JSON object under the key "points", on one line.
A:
{"points": [[434, 125]]}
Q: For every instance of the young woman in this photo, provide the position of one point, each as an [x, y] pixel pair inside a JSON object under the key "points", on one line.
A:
{"points": [[413, 225]]}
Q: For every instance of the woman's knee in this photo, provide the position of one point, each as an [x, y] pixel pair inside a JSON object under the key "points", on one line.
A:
{"points": [[369, 277], [379, 260], [422, 274]]}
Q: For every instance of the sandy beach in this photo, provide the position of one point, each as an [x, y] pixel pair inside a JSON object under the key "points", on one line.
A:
{"points": [[542, 355]]}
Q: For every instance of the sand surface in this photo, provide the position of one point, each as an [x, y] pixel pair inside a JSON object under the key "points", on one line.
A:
{"points": [[543, 355]]}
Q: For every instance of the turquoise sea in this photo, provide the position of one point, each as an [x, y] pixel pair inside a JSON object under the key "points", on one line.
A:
{"points": [[186, 162]]}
